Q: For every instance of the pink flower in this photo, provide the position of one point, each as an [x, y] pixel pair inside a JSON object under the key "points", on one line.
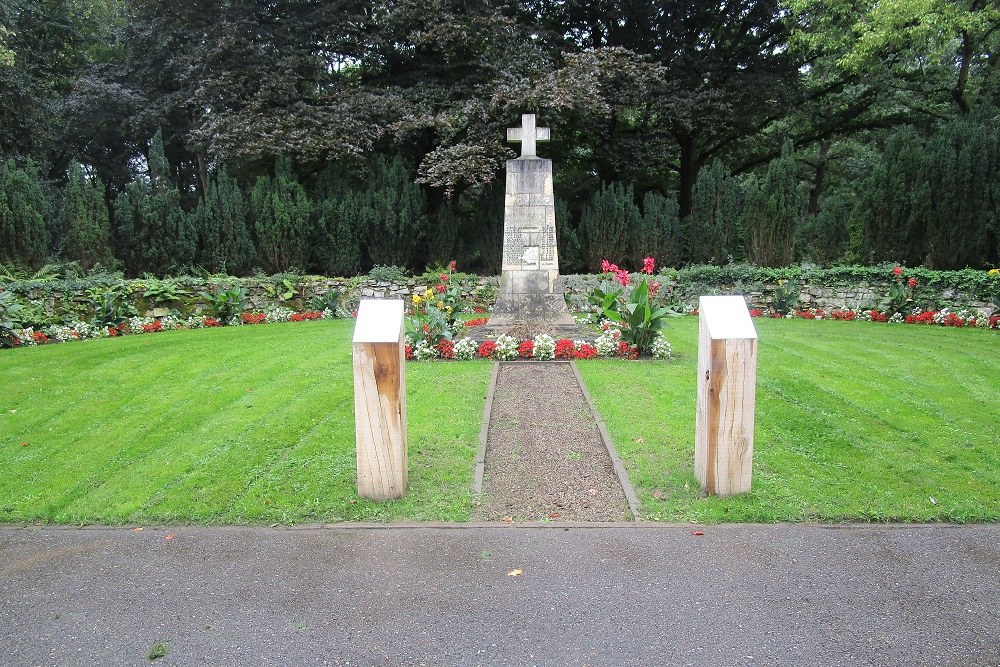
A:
{"points": [[654, 287], [648, 264], [605, 266], [897, 271], [623, 277]]}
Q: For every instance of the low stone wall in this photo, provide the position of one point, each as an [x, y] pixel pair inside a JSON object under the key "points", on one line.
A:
{"points": [[476, 290]]}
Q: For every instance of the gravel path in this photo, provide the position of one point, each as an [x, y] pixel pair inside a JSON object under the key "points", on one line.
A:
{"points": [[545, 459]]}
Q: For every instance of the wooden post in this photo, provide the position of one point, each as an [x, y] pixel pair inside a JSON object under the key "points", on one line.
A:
{"points": [[380, 399], [727, 386]]}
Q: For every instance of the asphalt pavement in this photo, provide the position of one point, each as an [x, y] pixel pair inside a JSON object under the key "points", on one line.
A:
{"points": [[748, 595]]}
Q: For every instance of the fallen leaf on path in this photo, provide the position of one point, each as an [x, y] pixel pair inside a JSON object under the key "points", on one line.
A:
{"points": [[25, 444], [515, 573], [137, 529], [554, 515], [640, 440], [508, 519], [353, 501], [698, 533], [592, 492], [169, 536]]}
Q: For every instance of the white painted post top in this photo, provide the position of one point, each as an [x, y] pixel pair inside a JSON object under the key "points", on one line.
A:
{"points": [[528, 134], [379, 321], [727, 317]]}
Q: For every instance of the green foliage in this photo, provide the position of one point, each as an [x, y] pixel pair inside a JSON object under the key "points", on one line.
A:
{"points": [[388, 273], [931, 199], [644, 318], [84, 221], [225, 304], [785, 296], [329, 300], [442, 238], [224, 243], [567, 240], [715, 229], [774, 207], [338, 248], [393, 220], [433, 316], [607, 223], [824, 237], [153, 232], [24, 238], [659, 233], [111, 309], [162, 291], [282, 220], [11, 317], [487, 227]]}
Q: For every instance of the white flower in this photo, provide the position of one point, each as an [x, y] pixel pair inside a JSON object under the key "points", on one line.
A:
{"points": [[506, 349], [545, 347], [465, 349], [660, 347], [424, 350]]}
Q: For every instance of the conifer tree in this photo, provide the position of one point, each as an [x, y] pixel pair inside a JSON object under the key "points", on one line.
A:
{"points": [[715, 228], [224, 243], [154, 234], [487, 228], [24, 238], [337, 249], [774, 207], [660, 232], [282, 220], [442, 238], [394, 219], [568, 241], [84, 221], [607, 223]]}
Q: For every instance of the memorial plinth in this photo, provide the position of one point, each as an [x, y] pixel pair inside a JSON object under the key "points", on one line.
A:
{"points": [[530, 299]]}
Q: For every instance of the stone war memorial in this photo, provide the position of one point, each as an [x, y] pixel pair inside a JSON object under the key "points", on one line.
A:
{"points": [[530, 299]]}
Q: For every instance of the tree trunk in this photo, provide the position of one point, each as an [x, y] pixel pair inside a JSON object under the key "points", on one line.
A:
{"points": [[817, 187], [965, 56], [202, 176], [688, 173]]}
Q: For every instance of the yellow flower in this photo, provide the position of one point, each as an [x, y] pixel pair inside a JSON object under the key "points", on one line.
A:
{"points": [[429, 295], [440, 305], [994, 272], [417, 299]]}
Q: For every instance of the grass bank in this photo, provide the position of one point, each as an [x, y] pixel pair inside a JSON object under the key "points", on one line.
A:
{"points": [[855, 421], [230, 425]]}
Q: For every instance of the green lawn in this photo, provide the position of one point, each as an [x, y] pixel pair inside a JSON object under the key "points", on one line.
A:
{"points": [[855, 421], [255, 424], [230, 425]]}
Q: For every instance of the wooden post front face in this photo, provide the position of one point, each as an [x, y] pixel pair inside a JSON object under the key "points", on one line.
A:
{"points": [[727, 386], [380, 400]]}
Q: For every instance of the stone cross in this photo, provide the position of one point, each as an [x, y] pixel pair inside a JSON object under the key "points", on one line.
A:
{"points": [[528, 134]]}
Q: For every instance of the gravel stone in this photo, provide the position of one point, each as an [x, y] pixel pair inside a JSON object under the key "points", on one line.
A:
{"points": [[545, 459]]}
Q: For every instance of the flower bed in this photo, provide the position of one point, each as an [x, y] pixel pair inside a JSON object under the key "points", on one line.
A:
{"points": [[59, 333]]}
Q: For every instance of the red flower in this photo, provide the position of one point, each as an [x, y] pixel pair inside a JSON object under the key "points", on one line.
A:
{"points": [[477, 322], [112, 332], [451, 265], [586, 351], [755, 312], [486, 349], [897, 271], [565, 349], [623, 277], [606, 266], [654, 287], [648, 264], [876, 316], [526, 349], [912, 283], [626, 351], [446, 349], [444, 277], [409, 352], [440, 288], [153, 327], [254, 318], [478, 309], [39, 337], [212, 322]]}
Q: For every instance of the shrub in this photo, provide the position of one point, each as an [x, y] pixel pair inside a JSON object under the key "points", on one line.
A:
{"points": [[84, 221], [24, 238], [225, 304], [282, 221], [221, 224], [772, 213], [607, 222], [715, 229]]}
